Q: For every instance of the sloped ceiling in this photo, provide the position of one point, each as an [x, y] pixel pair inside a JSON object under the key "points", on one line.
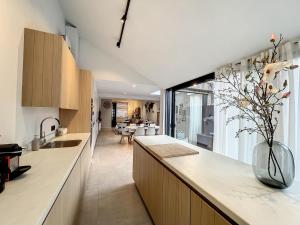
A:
{"points": [[112, 76], [172, 41]]}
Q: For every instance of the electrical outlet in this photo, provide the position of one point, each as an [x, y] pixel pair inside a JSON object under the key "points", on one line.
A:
{"points": [[52, 127]]}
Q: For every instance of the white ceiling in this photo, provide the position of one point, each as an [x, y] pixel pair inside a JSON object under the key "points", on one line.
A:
{"points": [[172, 41], [116, 89]]}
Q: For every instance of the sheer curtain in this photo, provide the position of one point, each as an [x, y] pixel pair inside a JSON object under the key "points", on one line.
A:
{"points": [[195, 117], [288, 131]]}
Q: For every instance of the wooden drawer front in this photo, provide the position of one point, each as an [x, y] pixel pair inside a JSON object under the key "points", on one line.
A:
{"points": [[203, 214]]}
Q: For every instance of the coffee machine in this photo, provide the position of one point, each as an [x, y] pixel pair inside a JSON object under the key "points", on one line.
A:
{"points": [[9, 163]]}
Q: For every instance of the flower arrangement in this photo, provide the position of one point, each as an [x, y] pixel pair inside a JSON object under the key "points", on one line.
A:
{"points": [[256, 96]]}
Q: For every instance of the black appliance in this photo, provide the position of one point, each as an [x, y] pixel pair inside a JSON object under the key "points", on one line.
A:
{"points": [[9, 163]]}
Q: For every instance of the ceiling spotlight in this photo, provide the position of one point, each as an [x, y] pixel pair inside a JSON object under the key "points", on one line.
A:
{"points": [[118, 44], [123, 19]]}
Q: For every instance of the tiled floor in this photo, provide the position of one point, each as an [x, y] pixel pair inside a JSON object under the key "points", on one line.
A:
{"points": [[110, 196]]}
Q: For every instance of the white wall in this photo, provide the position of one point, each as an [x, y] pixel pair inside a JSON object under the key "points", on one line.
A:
{"points": [[106, 114], [162, 118], [95, 129], [19, 124]]}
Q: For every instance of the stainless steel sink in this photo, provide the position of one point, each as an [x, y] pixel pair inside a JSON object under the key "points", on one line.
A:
{"points": [[62, 144]]}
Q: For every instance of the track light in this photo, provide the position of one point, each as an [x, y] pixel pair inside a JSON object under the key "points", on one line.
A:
{"points": [[123, 20]]}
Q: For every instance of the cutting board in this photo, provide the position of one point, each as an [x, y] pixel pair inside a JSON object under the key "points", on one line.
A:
{"points": [[171, 150]]}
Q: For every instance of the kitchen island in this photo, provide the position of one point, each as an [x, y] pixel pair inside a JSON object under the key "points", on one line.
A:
{"points": [[207, 188], [49, 193]]}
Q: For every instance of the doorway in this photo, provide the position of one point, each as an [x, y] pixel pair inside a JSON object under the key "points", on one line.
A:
{"points": [[114, 115]]}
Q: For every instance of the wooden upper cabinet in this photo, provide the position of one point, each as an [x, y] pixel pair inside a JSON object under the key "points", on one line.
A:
{"points": [[50, 73], [80, 121]]}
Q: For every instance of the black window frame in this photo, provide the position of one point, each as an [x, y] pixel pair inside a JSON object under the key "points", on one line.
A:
{"points": [[170, 101]]}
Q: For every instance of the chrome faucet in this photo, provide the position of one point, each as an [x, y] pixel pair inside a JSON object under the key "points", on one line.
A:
{"points": [[42, 133]]}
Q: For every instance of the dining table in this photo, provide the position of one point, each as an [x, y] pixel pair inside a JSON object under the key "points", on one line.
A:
{"points": [[132, 128]]}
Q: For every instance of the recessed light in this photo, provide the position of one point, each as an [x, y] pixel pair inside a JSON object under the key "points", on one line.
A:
{"points": [[134, 85], [156, 93]]}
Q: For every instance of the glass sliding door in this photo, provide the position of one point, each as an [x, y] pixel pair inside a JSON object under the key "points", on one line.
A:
{"points": [[194, 115], [191, 112]]}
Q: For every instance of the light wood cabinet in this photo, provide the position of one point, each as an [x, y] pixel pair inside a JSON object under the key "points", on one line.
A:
{"points": [[79, 121], [176, 201], [204, 214], [148, 176], [50, 73], [65, 207], [168, 199], [156, 174]]}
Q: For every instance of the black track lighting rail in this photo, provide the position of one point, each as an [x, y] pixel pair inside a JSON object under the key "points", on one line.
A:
{"points": [[123, 20]]}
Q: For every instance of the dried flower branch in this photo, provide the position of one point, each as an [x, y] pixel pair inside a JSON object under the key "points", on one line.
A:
{"points": [[255, 96]]}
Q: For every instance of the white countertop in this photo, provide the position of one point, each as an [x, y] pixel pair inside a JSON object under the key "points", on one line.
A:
{"points": [[28, 199], [231, 186]]}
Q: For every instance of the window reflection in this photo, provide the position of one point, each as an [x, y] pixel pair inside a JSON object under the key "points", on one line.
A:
{"points": [[194, 115]]}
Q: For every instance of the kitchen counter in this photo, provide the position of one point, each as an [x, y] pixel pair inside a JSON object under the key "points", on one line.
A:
{"points": [[231, 186], [28, 199]]}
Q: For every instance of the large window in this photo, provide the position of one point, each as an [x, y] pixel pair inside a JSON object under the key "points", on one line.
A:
{"points": [[190, 112]]}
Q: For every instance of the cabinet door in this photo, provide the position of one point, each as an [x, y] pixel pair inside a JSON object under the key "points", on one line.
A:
{"points": [[70, 80], [156, 173], [85, 160], [207, 214], [56, 215], [196, 209], [144, 176], [50, 73], [176, 201], [220, 220], [38, 68], [148, 176], [203, 214], [135, 164], [80, 121]]}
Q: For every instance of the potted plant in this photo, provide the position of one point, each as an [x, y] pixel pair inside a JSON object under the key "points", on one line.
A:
{"points": [[258, 100]]}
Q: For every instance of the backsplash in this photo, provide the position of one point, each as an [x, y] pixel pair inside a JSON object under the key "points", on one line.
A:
{"points": [[28, 123]]}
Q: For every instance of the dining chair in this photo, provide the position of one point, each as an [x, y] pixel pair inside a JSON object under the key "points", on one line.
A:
{"points": [[142, 125], [140, 131], [121, 127], [152, 125], [125, 133], [150, 131]]}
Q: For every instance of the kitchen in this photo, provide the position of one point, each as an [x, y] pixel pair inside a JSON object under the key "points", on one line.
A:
{"points": [[66, 64]]}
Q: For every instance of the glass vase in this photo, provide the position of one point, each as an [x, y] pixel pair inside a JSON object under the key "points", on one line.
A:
{"points": [[274, 166]]}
